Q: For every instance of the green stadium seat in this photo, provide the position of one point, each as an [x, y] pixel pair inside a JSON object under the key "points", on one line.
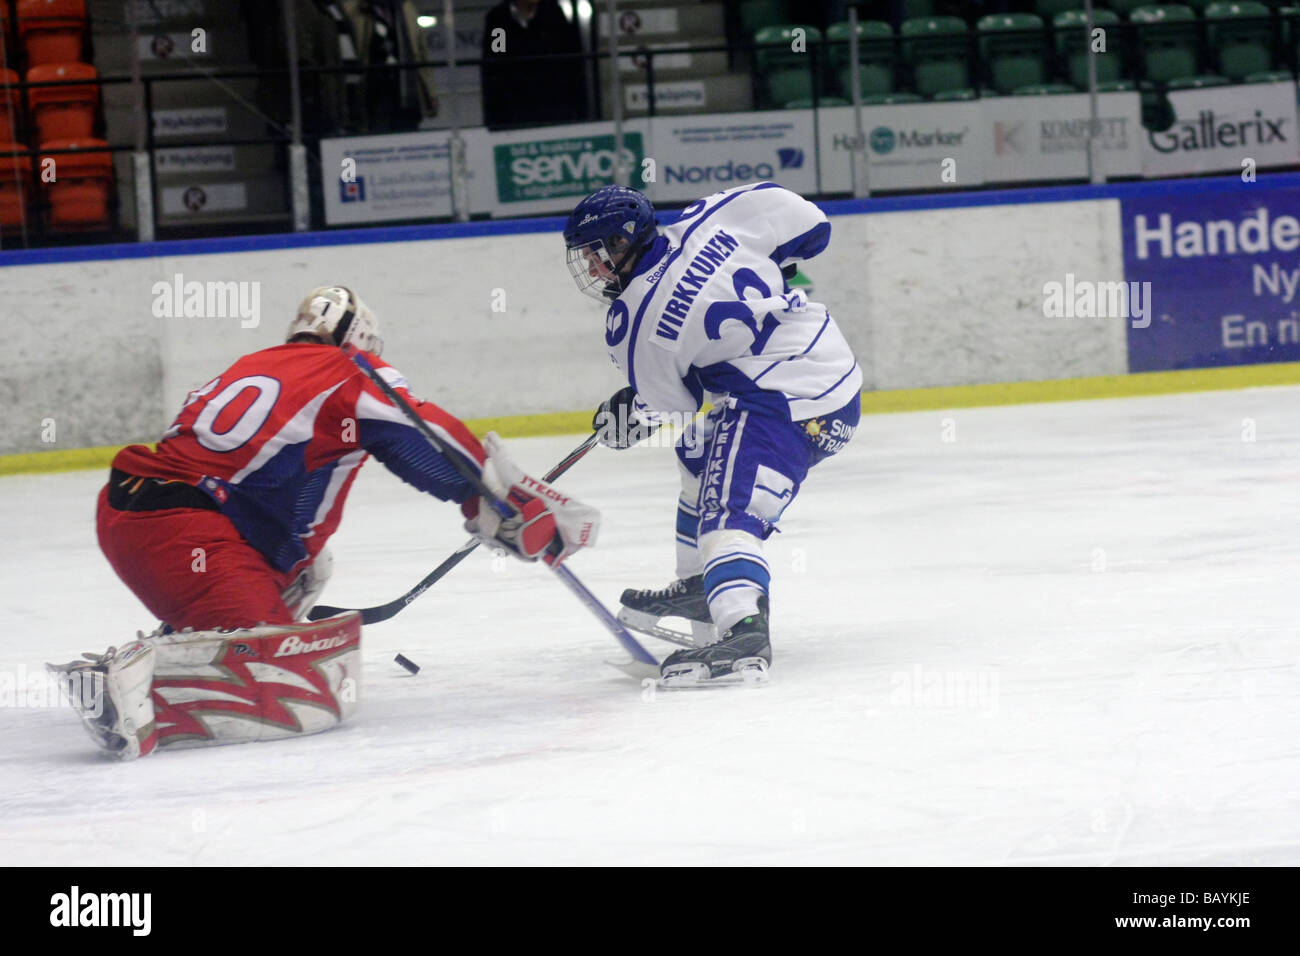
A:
{"points": [[875, 57], [938, 51], [1198, 6], [824, 102], [1167, 38], [1116, 86], [1073, 45], [957, 96], [1044, 89], [756, 14], [889, 99], [1126, 7], [1050, 9], [1013, 46], [784, 74], [1270, 76], [782, 86], [1198, 82], [917, 8], [1240, 35]]}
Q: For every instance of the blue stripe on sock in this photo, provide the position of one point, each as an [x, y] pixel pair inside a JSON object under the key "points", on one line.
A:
{"points": [[687, 525], [739, 569]]}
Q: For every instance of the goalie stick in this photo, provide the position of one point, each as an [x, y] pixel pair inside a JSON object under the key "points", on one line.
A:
{"points": [[643, 664], [382, 612]]}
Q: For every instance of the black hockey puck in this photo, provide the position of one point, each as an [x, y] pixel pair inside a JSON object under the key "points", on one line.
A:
{"points": [[406, 662]]}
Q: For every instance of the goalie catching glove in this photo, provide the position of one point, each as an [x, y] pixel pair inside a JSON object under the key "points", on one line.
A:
{"points": [[546, 523]]}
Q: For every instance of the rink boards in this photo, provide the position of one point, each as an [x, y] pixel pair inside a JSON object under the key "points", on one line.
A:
{"points": [[955, 299]]}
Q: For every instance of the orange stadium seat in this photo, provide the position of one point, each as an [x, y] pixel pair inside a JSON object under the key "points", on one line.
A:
{"points": [[79, 195], [15, 183], [63, 112], [11, 104], [52, 31]]}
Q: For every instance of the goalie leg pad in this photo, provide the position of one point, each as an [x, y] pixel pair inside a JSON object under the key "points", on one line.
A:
{"points": [[111, 696], [262, 683], [307, 586]]}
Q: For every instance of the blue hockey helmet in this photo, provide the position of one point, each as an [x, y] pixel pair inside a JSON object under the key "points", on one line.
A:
{"points": [[604, 237]]}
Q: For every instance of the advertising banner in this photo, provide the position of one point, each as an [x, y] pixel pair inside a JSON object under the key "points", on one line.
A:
{"points": [[1220, 273], [386, 178], [547, 170], [1216, 129], [907, 146], [1034, 138], [697, 155]]}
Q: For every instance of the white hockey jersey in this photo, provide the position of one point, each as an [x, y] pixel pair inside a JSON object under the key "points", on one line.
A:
{"points": [[682, 333]]}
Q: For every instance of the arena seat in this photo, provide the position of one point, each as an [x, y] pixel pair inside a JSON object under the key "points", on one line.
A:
{"points": [[1013, 47], [937, 50], [63, 112], [1240, 35], [1167, 40], [757, 14], [11, 105], [875, 57], [15, 183], [52, 31], [1044, 89], [78, 197], [1072, 44], [785, 74]]}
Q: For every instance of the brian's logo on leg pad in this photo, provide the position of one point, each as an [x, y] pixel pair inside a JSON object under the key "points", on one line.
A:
{"points": [[296, 645]]}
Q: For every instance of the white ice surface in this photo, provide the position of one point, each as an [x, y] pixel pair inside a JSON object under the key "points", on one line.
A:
{"points": [[1070, 635]]}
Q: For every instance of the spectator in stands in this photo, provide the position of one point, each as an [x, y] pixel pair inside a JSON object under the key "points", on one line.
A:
{"points": [[520, 91]]}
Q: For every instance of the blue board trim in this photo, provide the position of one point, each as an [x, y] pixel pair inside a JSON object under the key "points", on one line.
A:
{"points": [[555, 224]]}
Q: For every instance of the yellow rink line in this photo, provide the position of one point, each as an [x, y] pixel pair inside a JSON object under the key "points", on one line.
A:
{"points": [[897, 400]]}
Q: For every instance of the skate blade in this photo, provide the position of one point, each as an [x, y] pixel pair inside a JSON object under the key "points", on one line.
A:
{"points": [[648, 624], [750, 671]]}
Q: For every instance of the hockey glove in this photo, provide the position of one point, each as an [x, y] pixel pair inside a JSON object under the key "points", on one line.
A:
{"points": [[619, 423], [546, 524]]}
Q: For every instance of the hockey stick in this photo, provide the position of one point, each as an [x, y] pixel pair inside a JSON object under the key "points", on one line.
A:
{"points": [[643, 663], [382, 612]]}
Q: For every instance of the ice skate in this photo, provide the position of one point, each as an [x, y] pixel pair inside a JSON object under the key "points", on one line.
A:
{"points": [[745, 650], [644, 610]]}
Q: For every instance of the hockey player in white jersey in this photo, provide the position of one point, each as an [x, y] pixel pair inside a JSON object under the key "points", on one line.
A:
{"points": [[700, 311]]}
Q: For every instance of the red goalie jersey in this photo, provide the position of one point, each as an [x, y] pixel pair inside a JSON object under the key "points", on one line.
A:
{"points": [[276, 440]]}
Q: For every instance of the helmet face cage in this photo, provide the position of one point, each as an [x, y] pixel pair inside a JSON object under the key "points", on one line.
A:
{"points": [[595, 271]]}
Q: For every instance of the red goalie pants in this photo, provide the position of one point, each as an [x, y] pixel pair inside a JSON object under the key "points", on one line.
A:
{"points": [[191, 568]]}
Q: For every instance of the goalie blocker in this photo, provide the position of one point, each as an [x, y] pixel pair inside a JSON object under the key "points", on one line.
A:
{"points": [[197, 688], [546, 523]]}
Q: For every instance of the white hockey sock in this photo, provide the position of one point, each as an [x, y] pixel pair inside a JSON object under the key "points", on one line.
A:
{"points": [[689, 563], [736, 575]]}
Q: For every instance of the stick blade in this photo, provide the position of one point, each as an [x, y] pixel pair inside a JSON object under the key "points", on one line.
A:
{"points": [[637, 670]]}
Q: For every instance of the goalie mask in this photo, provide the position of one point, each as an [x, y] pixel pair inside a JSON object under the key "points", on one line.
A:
{"points": [[605, 236], [335, 313]]}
